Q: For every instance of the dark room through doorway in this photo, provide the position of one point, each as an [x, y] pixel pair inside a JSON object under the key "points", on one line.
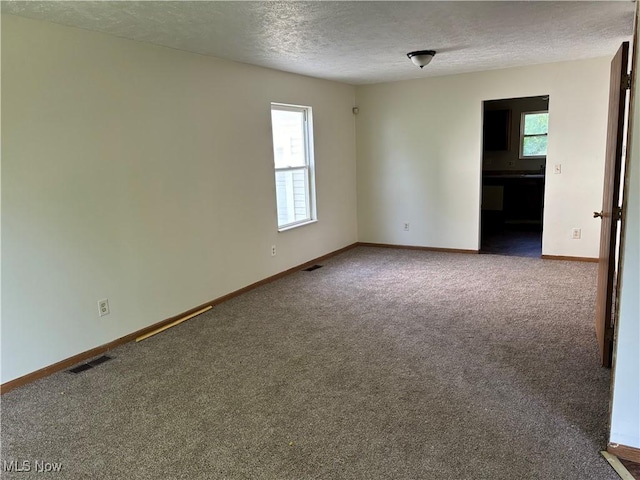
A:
{"points": [[514, 164]]}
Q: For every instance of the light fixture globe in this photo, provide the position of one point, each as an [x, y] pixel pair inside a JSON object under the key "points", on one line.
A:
{"points": [[421, 58]]}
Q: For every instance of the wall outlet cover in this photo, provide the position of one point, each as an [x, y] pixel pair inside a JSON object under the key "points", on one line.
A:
{"points": [[103, 307]]}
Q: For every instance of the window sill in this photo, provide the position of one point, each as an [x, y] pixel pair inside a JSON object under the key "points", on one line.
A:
{"points": [[296, 225]]}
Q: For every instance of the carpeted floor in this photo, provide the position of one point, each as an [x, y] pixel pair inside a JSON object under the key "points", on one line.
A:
{"points": [[383, 364]]}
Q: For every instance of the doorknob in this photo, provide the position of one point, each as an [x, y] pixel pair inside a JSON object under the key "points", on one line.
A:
{"points": [[597, 214]]}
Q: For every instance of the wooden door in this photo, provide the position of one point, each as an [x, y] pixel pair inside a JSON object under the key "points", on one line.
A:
{"points": [[611, 210]]}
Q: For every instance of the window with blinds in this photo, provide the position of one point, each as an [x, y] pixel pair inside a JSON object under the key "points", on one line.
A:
{"points": [[293, 162]]}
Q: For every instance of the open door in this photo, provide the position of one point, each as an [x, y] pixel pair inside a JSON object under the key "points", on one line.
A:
{"points": [[611, 210]]}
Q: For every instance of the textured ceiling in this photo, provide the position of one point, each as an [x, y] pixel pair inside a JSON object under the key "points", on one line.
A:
{"points": [[358, 42]]}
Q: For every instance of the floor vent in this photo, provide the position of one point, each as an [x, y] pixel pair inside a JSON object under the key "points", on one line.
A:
{"points": [[99, 360], [80, 368], [312, 268], [86, 366]]}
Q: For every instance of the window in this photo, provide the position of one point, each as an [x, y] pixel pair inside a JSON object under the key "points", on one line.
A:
{"points": [[534, 127], [293, 161]]}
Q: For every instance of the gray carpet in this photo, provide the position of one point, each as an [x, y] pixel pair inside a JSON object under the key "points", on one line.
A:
{"points": [[383, 364]]}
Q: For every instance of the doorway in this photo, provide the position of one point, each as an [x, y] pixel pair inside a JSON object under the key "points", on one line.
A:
{"points": [[514, 161]]}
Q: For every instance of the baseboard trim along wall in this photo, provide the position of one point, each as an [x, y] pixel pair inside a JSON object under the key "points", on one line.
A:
{"points": [[416, 247], [631, 454], [617, 465], [570, 259], [68, 362]]}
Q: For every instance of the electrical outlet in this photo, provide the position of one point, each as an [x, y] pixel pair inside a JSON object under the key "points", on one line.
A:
{"points": [[557, 169], [273, 250], [576, 234], [405, 226], [103, 307]]}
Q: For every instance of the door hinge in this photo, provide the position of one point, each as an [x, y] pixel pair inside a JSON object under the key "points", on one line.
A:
{"points": [[626, 81], [616, 213]]}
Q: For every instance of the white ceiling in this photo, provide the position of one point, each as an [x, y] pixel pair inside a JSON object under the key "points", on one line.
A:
{"points": [[358, 42]]}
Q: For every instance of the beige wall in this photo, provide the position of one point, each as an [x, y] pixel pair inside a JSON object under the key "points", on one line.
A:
{"points": [[420, 154], [144, 174]]}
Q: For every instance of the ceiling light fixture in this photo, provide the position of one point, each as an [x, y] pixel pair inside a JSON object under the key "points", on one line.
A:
{"points": [[421, 58]]}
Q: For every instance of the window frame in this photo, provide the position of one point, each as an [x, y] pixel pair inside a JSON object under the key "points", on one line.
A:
{"points": [[523, 136], [308, 167]]}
